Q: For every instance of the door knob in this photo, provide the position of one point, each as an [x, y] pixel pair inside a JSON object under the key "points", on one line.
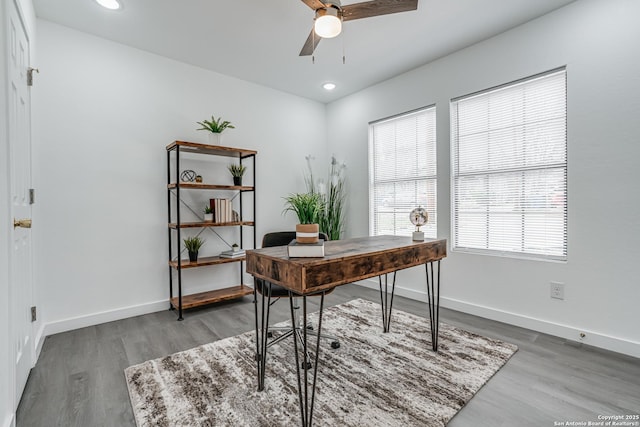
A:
{"points": [[24, 223]]}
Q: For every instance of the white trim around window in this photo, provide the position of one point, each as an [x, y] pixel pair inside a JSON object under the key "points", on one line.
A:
{"points": [[509, 169], [402, 172]]}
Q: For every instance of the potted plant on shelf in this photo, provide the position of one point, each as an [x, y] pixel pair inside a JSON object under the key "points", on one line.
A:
{"points": [[208, 214], [237, 170], [215, 128], [193, 245], [307, 207]]}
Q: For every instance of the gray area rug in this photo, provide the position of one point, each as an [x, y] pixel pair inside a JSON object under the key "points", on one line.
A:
{"points": [[373, 379]]}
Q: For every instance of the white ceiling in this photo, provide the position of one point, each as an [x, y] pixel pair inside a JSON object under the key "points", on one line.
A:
{"points": [[259, 40]]}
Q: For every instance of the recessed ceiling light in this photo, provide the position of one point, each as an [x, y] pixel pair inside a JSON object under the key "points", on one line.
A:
{"points": [[329, 86], [110, 4]]}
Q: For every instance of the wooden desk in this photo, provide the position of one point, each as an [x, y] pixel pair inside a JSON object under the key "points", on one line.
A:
{"points": [[345, 261]]}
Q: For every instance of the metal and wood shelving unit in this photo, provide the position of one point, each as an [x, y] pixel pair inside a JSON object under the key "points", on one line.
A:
{"points": [[181, 302]]}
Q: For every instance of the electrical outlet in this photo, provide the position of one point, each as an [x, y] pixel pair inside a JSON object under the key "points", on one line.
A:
{"points": [[557, 290]]}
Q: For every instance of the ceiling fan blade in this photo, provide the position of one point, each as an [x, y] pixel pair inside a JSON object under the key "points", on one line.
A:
{"points": [[311, 44], [377, 8], [314, 4]]}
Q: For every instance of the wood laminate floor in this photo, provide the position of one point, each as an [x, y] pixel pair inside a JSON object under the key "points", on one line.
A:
{"points": [[79, 379]]}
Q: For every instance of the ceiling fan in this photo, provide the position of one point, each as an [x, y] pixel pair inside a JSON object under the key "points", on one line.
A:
{"points": [[330, 14]]}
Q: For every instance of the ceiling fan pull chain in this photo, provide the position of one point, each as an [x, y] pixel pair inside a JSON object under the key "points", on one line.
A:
{"points": [[313, 43]]}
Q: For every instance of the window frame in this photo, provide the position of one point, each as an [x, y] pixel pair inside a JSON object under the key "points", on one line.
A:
{"points": [[434, 178], [454, 156]]}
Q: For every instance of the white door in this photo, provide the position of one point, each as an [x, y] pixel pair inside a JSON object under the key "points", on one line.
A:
{"points": [[20, 287]]}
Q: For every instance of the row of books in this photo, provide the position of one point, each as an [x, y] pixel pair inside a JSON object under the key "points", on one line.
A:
{"points": [[222, 210]]}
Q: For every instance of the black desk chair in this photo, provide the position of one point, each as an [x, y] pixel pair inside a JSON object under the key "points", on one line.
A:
{"points": [[283, 238]]}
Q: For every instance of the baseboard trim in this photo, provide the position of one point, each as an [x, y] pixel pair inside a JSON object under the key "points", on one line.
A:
{"points": [[38, 343], [10, 421], [619, 345], [568, 332], [40, 336], [102, 317]]}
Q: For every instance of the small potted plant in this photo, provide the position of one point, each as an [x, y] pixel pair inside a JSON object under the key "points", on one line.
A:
{"points": [[237, 170], [208, 214], [235, 247], [307, 207], [193, 245], [215, 128]]}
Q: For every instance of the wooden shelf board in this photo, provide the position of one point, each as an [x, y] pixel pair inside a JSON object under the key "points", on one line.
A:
{"points": [[218, 150], [210, 297], [204, 261], [201, 186], [210, 224]]}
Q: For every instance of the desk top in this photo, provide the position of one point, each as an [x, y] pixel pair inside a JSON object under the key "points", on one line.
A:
{"points": [[345, 261]]}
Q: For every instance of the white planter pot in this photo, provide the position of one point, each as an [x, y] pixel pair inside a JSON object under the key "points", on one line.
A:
{"points": [[208, 217], [215, 138]]}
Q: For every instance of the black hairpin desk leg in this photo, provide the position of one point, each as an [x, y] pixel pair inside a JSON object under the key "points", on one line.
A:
{"points": [[306, 391], [262, 328], [385, 302], [433, 296]]}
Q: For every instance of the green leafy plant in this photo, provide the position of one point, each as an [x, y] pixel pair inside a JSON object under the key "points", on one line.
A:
{"points": [[307, 206], [332, 198], [215, 125], [193, 244], [207, 209], [237, 170]]}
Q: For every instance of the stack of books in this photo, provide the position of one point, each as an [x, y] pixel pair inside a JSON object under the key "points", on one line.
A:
{"points": [[232, 254], [306, 250]]}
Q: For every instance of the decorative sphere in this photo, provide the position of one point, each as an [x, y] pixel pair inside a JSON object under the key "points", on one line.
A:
{"points": [[419, 216]]}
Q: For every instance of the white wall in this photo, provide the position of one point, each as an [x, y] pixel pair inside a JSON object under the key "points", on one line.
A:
{"points": [[104, 114], [596, 40]]}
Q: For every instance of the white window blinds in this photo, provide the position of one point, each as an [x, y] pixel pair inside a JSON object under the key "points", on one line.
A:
{"points": [[402, 172], [509, 168]]}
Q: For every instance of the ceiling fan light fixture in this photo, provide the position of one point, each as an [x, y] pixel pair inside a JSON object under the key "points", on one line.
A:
{"points": [[109, 4], [328, 22]]}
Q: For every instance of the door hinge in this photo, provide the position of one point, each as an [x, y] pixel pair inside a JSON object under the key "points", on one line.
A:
{"points": [[33, 314], [32, 196], [30, 71]]}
